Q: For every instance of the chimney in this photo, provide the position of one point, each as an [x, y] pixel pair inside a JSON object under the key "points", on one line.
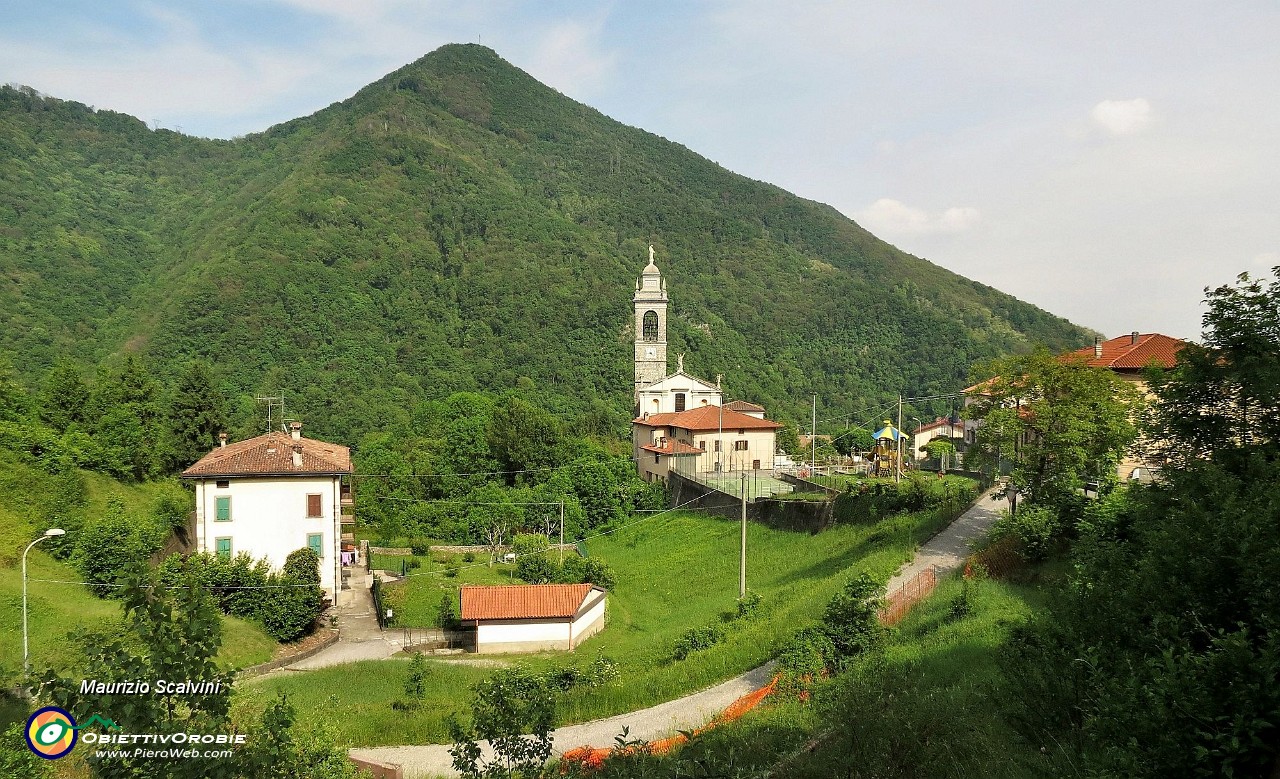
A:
{"points": [[1133, 337], [222, 439], [1097, 346], [297, 454], [295, 429]]}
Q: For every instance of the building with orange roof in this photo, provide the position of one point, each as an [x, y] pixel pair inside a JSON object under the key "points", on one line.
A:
{"points": [[532, 617], [270, 495], [701, 440], [1128, 357]]}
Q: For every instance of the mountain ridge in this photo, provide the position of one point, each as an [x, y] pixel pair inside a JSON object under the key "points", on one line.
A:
{"points": [[457, 225]]}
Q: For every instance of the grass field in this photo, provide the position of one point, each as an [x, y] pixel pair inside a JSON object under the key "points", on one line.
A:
{"points": [[929, 705], [415, 601], [57, 608], [675, 572]]}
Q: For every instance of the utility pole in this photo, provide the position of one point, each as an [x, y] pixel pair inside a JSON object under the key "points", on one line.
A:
{"points": [[813, 439], [742, 569], [897, 474], [562, 534]]}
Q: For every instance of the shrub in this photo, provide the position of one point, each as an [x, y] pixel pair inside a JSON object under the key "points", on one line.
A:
{"points": [[1035, 528], [419, 546], [415, 684], [447, 615], [807, 656], [451, 568], [695, 639], [852, 619], [748, 604], [468, 557]]}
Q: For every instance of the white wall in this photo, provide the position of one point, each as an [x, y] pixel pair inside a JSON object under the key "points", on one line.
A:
{"points": [[525, 635], [269, 519], [589, 621]]}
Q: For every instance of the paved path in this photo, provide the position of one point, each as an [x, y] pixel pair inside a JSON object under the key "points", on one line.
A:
{"points": [[359, 637], [944, 552]]}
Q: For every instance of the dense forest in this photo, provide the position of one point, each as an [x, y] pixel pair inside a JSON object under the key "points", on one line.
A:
{"points": [[455, 226]]}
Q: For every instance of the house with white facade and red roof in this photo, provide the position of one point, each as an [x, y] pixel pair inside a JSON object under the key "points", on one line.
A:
{"points": [[271, 495]]}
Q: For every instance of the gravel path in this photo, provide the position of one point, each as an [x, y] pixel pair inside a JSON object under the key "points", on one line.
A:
{"points": [[944, 552]]}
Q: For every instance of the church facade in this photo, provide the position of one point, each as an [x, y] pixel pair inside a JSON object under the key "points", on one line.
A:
{"points": [[682, 423]]}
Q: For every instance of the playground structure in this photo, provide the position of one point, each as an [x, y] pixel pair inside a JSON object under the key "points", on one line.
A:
{"points": [[885, 459]]}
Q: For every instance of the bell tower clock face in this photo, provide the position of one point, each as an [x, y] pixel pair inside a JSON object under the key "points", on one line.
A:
{"points": [[650, 352]]}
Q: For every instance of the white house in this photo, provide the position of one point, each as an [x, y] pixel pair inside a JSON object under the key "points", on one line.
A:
{"points": [[271, 495], [532, 617], [704, 439]]}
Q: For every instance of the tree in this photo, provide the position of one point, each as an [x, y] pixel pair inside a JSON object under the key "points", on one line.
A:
{"points": [[173, 634], [855, 439], [524, 438], [197, 413], [1224, 394], [64, 396], [1057, 422], [514, 711], [941, 449], [787, 440]]}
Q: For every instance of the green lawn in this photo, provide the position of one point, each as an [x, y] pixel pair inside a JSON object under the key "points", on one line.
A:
{"points": [[415, 600], [929, 705], [675, 572]]}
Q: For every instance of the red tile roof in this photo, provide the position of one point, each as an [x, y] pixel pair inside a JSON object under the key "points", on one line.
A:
{"points": [[708, 418], [673, 448], [272, 455], [1132, 353], [744, 406], [524, 601]]}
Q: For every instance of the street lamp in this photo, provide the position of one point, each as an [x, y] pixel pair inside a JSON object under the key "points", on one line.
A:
{"points": [[50, 533]]}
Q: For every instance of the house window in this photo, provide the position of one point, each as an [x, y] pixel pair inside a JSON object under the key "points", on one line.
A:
{"points": [[679, 401], [655, 458], [740, 446], [717, 444], [702, 445], [315, 541], [222, 508], [224, 484], [313, 506], [755, 465], [222, 547], [650, 327]]}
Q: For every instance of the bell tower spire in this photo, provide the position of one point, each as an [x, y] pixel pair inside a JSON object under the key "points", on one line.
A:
{"points": [[650, 302]]}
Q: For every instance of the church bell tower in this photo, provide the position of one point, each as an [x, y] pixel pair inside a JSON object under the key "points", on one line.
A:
{"points": [[650, 301]]}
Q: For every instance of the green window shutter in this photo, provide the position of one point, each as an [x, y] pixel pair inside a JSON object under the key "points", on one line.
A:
{"points": [[223, 510], [316, 542], [224, 548]]}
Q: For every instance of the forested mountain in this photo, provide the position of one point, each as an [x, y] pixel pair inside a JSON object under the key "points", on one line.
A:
{"points": [[455, 226]]}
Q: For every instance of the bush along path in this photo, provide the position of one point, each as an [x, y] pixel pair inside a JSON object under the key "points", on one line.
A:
{"points": [[943, 553]]}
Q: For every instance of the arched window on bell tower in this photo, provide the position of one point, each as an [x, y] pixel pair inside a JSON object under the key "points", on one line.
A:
{"points": [[650, 329]]}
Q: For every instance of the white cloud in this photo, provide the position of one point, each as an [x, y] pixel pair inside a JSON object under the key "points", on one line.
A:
{"points": [[568, 56], [1122, 117], [893, 217]]}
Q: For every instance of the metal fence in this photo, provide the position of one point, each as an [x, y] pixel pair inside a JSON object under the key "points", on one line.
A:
{"points": [[375, 589]]}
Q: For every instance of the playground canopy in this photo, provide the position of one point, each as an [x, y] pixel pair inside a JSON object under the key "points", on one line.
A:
{"points": [[888, 431]]}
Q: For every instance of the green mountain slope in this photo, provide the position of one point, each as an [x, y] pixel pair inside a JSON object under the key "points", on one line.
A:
{"points": [[458, 225]]}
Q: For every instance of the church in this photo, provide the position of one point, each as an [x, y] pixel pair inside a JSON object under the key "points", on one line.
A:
{"points": [[682, 423]]}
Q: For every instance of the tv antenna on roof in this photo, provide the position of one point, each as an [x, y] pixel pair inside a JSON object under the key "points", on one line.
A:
{"points": [[274, 402]]}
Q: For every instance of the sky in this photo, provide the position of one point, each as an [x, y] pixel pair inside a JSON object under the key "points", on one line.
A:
{"points": [[1105, 161]]}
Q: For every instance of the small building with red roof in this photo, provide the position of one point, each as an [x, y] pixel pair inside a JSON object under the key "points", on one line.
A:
{"points": [[271, 495], [532, 617]]}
